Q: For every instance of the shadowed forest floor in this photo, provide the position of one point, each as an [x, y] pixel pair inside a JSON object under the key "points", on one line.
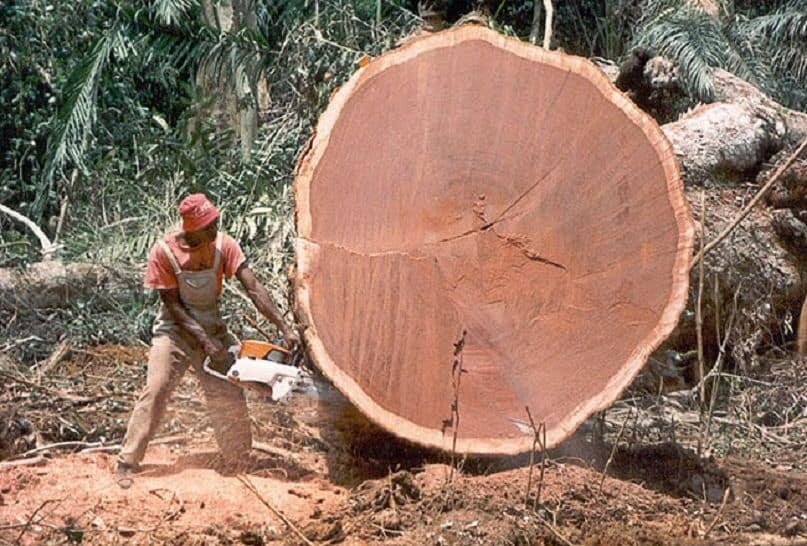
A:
{"points": [[339, 479]]}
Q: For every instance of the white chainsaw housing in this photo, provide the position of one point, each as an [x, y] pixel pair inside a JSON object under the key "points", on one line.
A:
{"points": [[282, 378]]}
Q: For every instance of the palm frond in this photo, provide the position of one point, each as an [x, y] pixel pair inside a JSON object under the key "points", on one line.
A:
{"points": [[787, 25], [72, 125], [234, 53], [689, 37], [171, 12], [744, 56]]}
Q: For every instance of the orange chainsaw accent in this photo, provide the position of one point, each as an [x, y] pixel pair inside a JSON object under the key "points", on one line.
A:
{"points": [[251, 348]]}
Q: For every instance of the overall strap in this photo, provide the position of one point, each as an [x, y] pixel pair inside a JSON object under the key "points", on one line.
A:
{"points": [[170, 256], [217, 254]]}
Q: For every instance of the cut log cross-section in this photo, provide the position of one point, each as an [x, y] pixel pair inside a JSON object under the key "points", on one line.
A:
{"points": [[472, 182]]}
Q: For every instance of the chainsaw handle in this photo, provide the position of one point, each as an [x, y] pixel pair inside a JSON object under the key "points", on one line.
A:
{"points": [[211, 371], [234, 349]]}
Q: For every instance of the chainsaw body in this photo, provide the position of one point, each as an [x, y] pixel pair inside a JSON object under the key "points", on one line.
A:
{"points": [[259, 366]]}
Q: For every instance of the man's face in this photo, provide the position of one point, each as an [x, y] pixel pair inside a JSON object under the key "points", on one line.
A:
{"points": [[205, 235]]}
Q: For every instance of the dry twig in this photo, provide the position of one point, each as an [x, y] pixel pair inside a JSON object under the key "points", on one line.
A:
{"points": [[249, 485], [743, 213], [47, 246], [614, 448], [719, 513], [538, 438], [58, 354], [31, 519], [52, 392], [718, 367], [699, 309], [58, 445], [555, 532], [456, 378]]}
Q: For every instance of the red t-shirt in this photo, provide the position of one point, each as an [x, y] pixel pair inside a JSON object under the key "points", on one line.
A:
{"points": [[160, 274]]}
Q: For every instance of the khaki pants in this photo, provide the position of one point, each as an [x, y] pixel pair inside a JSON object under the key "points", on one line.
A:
{"points": [[170, 357]]}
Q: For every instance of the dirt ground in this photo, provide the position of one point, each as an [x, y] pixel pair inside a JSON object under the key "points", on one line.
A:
{"points": [[337, 479]]}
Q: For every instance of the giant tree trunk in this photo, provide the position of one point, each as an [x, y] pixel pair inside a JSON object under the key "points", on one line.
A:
{"points": [[533, 235]]}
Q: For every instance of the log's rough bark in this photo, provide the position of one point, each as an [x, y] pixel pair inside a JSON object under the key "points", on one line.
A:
{"points": [[53, 284], [731, 148], [735, 134], [542, 221]]}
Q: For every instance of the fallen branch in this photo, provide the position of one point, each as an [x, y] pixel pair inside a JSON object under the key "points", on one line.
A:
{"points": [[47, 246], [94, 447], [57, 393], [31, 461], [555, 532], [248, 484], [58, 445], [743, 213], [56, 356]]}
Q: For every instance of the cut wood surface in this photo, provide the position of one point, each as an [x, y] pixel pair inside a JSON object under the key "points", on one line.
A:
{"points": [[545, 218]]}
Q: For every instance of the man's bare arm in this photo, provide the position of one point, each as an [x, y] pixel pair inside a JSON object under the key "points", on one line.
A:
{"points": [[263, 302], [211, 346]]}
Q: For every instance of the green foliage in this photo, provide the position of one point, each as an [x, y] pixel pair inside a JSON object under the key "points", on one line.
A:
{"points": [[597, 28], [769, 50], [143, 135], [71, 126], [110, 91]]}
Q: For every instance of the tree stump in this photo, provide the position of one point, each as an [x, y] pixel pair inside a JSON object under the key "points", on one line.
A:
{"points": [[470, 182]]}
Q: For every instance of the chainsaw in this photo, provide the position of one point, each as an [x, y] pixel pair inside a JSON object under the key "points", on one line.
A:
{"points": [[269, 369]]}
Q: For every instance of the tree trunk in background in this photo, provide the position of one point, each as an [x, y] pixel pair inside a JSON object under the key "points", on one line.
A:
{"points": [[535, 29], [246, 90], [240, 98]]}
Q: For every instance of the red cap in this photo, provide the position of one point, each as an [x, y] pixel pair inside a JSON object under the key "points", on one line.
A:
{"points": [[197, 211]]}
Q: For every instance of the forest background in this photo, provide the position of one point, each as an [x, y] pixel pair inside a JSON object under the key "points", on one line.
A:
{"points": [[112, 111]]}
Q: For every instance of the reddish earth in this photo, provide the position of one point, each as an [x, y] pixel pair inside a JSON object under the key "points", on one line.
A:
{"points": [[365, 487]]}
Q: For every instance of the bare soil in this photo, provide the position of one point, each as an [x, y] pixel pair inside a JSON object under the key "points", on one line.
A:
{"points": [[339, 479]]}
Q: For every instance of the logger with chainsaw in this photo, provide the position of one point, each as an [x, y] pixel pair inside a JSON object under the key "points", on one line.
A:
{"points": [[187, 267]]}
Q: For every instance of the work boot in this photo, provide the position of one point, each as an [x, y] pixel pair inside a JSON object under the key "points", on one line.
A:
{"points": [[124, 473], [125, 469]]}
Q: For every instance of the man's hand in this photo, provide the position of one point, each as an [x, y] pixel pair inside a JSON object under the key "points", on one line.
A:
{"points": [[210, 345], [220, 358], [290, 339]]}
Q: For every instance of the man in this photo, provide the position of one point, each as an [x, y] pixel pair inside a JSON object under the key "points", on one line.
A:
{"points": [[187, 267]]}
